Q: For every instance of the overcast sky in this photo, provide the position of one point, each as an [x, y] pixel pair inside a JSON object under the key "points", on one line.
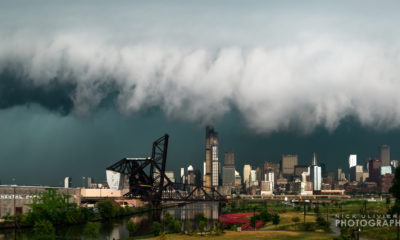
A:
{"points": [[85, 84]]}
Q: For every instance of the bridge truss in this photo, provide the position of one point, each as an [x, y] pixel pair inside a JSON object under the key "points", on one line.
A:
{"points": [[148, 181]]}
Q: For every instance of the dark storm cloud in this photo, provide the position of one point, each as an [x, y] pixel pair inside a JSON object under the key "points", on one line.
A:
{"points": [[280, 68], [54, 96]]}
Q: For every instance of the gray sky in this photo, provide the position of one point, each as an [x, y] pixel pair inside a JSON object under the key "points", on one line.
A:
{"points": [[85, 84]]}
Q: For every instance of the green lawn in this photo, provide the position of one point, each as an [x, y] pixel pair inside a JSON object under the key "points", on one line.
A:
{"points": [[271, 235]]}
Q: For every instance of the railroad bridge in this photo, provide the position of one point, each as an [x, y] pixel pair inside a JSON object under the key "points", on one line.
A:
{"points": [[148, 181]]}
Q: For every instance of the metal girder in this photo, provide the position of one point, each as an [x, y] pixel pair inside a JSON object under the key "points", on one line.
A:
{"points": [[148, 182]]}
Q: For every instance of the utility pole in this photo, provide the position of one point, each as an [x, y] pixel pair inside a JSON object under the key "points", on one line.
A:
{"points": [[304, 204], [327, 213]]}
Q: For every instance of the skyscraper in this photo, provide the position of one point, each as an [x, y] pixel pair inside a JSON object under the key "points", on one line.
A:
{"points": [[385, 155], [352, 160], [212, 163], [246, 175], [67, 182], [374, 173], [287, 165], [315, 175], [228, 169], [314, 161]]}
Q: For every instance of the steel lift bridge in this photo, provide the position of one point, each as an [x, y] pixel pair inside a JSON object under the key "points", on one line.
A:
{"points": [[148, 182]]}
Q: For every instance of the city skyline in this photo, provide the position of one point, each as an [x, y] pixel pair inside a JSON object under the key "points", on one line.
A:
{"points": [[83, 85]]}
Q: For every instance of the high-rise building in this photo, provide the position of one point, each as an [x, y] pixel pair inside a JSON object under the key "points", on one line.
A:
{"points": [[271, 167], [170, 175], [183, 175], [287, 165], [374, 169], [246, 175], [316, 178], [67, 182], [228, 176], [352, 160], [385, 155], [253, 178], [228, 170], [356, 173], [299, 169], [212, 163], [229, 159], [385, 170], [314, 161], [394, 163]]}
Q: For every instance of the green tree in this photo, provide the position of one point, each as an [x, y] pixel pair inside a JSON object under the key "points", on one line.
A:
{"points": [[265, 216], [253, 221], [131, 227], [54, 207], [91, 230], [395, 190], [175, 227], [188, 226], [107, 209], [202, 226], [44, 230], [156, 229], [275, 219], [168, 221]]}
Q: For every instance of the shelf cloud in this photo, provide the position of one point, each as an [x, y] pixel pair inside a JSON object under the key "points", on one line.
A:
{"points": [[303, 85], [300, 77]]}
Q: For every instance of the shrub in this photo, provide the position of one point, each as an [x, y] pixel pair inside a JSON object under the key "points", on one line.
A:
{"points": [[131, 227], [156, 228], [307, 227], [202, 226], [218, 228], [265, 216], [177, 227], [188, 226], [295, 219], [107, 209], [275, 219], [316, 209], [91, 230], [320, 221], [44, 230]]}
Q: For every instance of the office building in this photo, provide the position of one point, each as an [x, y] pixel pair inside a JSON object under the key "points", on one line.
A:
{"points": [[253, 178], [170, 175], [374, 169], [386, 182], [356, 173], [287, 165], [183, 179], [385, 155], [67, 182], [16, 200], [212, 163], [246, 175], [316, 177], [229, 159], [266, 188], [352, 160], [228, 176], [228, 169], [299, 169], [394, 163], [271, 167], [385, 170]]}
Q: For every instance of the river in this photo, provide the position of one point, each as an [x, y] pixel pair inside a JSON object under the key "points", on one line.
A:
{"points": [[116, 229]]}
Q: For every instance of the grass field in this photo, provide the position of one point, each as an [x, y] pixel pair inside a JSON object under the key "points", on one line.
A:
{"points": [[271, 235]]}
